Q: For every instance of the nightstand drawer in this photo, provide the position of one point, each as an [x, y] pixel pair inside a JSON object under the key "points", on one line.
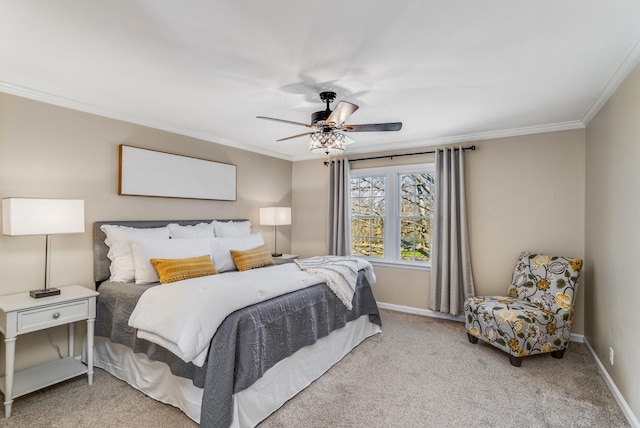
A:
{"points": [[41, 318]]}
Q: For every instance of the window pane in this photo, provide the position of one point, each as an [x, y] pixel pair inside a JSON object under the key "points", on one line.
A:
{"points": [[377, 206], [377, 248], [365, 227], [377, 227], [416, 203], [407, 205], [407, 229], [406, 185], [378, 185], [367, 211]]}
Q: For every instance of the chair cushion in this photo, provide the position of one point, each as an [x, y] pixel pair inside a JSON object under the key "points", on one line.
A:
{"points": [[548, 281], [518, 327]]}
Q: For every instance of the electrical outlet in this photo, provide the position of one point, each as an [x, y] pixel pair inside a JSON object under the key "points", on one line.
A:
{"points": [[611, 355]]}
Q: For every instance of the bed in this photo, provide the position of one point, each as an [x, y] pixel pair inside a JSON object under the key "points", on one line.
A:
{"points": [[260, 356]]}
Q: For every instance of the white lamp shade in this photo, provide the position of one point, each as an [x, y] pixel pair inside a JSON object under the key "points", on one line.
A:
{"points": [[30, 216], [275, 216]]}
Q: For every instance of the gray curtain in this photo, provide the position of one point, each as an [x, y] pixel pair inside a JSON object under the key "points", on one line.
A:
{"points": [[339, 241], [451, 277]]}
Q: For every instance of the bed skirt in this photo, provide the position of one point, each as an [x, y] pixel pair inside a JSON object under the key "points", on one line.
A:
{"points": [[250, 406]]}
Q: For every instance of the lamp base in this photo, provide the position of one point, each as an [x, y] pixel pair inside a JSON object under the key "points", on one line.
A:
{"points": [[45, 292], [276, 254]]}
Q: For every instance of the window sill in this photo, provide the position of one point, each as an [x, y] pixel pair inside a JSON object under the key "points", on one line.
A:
{"points": [[398, 264]]}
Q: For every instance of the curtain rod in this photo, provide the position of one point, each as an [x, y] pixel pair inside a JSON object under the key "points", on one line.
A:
{"points": [[472, 147]]}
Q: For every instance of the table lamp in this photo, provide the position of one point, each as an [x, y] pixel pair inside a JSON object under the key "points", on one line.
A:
{"points": [[275, 216], [32, 216]]}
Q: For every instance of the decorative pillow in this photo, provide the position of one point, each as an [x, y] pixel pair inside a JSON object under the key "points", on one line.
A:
{"points": [[200, 230], [172, 270], [119, 242], [250, 259], [232, 229], [145, 249], [222, 246]]}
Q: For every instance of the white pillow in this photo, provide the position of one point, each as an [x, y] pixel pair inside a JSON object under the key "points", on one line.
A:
{"points": [[200, 230], [232, 229], [146, 249], [119, 242], [221, 247]]}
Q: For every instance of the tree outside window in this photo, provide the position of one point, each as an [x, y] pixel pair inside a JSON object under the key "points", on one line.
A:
{"points": [[367, 216], [416, 216], [392, 213]]}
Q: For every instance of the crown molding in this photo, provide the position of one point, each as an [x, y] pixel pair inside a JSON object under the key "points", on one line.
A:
{"points": [[412, 144], [92, 109], [627, 65], [467, 138]]}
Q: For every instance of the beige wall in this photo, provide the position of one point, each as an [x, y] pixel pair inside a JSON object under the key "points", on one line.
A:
{"points": [[524, 193], [613, 237], [53, 152]]}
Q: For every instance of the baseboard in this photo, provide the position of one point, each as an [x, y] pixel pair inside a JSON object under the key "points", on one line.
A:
{"points": [[428, 313], [573, 337], [628, 413], [420, 311]]}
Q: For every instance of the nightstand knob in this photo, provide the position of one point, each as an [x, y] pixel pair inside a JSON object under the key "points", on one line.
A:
{"points": [[56, 315]]}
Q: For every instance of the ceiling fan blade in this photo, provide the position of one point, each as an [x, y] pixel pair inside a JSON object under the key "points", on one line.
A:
{"points": [[284, 121], [373, 127], [296, 136], [342, 111]]}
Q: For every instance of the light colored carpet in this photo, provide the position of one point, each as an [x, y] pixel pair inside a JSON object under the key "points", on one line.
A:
{"points": [[420, 372]]}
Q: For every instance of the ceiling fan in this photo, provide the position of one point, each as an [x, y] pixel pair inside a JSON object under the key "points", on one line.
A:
{"points": [[328, 127]]}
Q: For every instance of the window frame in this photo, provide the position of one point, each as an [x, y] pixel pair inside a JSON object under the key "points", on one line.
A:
{"points": [[392, 211]]}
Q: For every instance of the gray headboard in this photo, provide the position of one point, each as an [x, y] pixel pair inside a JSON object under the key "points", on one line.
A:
{"points": [[101, 262]]}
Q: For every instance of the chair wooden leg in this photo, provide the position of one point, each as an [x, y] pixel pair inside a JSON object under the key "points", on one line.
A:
{"points": [[558, 354], [472, 338], [515, 361]]}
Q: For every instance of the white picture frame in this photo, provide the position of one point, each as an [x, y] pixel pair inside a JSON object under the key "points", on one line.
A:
{"points": [[144, 172]]}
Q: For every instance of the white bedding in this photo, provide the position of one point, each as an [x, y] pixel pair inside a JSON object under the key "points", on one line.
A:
{"points": [[183, 316], [173, 315]]}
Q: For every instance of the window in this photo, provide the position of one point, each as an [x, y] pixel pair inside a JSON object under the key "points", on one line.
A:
{"points": [[368, 215], [392, 213]]}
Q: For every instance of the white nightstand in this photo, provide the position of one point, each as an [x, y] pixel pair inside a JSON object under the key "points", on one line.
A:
{"points": [[285, 258], [21, 313]]}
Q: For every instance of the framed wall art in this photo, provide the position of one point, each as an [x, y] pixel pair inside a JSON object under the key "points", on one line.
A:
{"points": [[145, 172]]}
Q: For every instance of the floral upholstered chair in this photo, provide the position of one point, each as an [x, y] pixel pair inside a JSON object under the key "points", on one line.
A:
{"points": [[536, 316]]}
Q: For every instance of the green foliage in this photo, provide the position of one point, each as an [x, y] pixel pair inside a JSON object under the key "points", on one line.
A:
{"points": [[368, 213]]}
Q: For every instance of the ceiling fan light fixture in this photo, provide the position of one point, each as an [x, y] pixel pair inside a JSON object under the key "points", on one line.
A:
{"points": [[327, 134], [327, 143]]}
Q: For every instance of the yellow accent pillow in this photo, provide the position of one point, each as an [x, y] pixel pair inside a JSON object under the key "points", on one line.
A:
{"points": [[250, 259], [172, 270]]}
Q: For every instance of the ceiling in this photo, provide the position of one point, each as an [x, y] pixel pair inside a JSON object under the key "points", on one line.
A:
{"points": [[451, 71]]}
